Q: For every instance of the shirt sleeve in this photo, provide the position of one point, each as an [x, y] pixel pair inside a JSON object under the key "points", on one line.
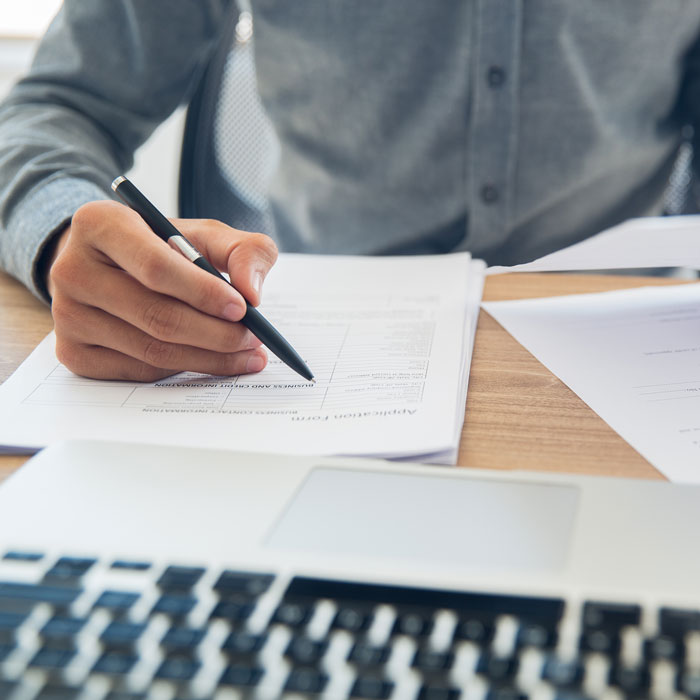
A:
{"points": [[106, 73]]}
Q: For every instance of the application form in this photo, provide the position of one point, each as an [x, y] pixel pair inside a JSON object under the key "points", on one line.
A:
{"points": [[633, 356], [388, 339]]}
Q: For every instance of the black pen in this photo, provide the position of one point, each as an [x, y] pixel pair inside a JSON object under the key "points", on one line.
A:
{"points": [[253, 320]]}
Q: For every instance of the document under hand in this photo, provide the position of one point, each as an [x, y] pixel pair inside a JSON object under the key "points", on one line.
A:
{"points": [[633, 356], [389, 340]]}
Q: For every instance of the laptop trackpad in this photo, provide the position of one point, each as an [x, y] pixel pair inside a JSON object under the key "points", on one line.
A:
{"points": [[470, 523]]}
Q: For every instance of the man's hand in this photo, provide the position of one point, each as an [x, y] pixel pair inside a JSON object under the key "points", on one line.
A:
{"points": [[127, 306]]}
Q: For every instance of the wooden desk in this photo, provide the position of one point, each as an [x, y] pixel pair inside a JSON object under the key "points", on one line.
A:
{"points": [[518, 415]]}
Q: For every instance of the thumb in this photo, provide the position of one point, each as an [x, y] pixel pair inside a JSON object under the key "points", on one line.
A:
{"points": [[247, 257]]}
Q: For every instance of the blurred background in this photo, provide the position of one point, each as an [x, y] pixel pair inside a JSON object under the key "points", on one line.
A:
{"points": [[156, 167]]}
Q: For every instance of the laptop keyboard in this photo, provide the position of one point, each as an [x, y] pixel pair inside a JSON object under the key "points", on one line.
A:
{"points": [[77, 628]]}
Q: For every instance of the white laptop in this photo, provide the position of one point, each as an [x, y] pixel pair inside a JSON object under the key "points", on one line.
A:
{"points": [[132, 571]]}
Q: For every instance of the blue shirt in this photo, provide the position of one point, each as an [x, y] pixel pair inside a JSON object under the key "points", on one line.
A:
{"points": [[508, 128]]}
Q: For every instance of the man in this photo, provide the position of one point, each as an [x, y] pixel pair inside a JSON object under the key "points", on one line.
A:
{"points": [[506, 127]]}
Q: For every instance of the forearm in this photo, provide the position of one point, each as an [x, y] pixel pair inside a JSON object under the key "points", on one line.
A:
{"points": [[106, 74], [51, 163]]}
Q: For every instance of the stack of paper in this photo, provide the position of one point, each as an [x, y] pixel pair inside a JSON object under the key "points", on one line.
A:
{"points": [[389, 340]]}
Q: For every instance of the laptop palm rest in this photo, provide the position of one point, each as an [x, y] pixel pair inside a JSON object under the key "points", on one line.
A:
{"points": [[447, 521]]}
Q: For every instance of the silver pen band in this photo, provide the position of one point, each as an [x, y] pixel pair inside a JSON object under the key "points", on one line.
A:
{"points": [[185, 247]]}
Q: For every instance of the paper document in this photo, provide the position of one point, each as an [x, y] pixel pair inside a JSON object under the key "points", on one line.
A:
{"points": [[633, 356], [389, 340], [669, 241]]}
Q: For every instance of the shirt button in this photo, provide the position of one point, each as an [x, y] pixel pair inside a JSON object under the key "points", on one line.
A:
{"points": [[495, 76], [489, 193]]}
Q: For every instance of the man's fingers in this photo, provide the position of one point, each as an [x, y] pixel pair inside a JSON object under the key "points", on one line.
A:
{"points": [[157, 315], [152, 358], [104, 363], [247, 257], [125, 240], [128, 306]]}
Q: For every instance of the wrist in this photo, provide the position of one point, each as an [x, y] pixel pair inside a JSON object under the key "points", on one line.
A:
{"points": [[51, 251]]}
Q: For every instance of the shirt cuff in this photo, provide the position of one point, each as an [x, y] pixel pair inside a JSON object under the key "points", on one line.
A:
{"points": [[41, 214]]}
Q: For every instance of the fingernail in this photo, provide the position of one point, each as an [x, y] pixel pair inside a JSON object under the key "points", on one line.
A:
{"points": [[232, 312], [255, 363], [257, 281]]}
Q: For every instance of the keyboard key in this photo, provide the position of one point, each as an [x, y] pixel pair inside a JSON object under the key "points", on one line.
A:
{"points": [[304, 651], [497, 668], [474, 630], [505, 693], [414, 623], [232, 611], [174, 605], [242, 644], [676, 622], [632, 681], [115, 663], [182, 639], [69, 569], [180, 578], [18, 555], [61, 632], [352, 619], [38, 593], [178, 668], [366, 655], [49, 658], [437, 691], [371, 687], [121, 635], [131, 565], [602, 641], [116, 601], [563, 673], [292, 614], [17, 607], [306, 680], [429, 661], [572, 694], [611, 616], [53, 691], [241, 675], [10, 622], [7, 687], [242, 582], [534, 635], [665, 647], [688, 682]]}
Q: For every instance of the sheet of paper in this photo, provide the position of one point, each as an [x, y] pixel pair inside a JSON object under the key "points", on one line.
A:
{"points": [[389, 340], [669, 241], [633, 356]]}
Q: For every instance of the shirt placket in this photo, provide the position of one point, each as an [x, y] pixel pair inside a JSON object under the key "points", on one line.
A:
{"points": [[492, 133]]}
